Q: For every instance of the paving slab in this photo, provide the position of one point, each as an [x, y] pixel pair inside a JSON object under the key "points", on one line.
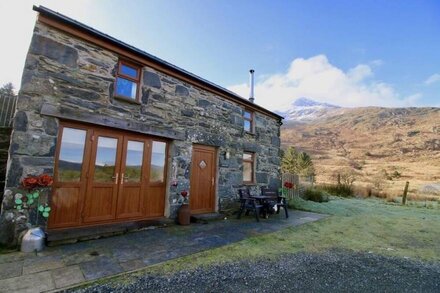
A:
{"points": [[132, 265], [100, 267], [70, 264], [11, 269], [67, 276], [38, 282], [42, 263]]}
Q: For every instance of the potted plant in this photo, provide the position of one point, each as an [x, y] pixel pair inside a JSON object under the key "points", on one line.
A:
{"points": [[184, 213]]}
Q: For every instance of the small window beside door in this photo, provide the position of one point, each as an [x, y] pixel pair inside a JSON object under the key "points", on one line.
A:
{"points": [[248, 121], [248, 167], [127, 81]]}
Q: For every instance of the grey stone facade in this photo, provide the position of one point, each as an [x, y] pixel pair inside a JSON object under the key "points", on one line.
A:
{"points": [[65, 77]]}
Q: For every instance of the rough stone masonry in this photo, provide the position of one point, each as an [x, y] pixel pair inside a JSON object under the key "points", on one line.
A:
{"points": [[65, 77]]}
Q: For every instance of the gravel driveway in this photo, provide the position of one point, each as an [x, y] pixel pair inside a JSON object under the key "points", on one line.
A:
{"points": [[324, 272]]}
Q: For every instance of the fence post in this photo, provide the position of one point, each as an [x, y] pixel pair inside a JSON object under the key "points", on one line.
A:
{"points": [[405, 192]]}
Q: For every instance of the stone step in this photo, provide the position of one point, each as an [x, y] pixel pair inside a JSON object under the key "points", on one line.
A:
{"points": [[204, 218]]}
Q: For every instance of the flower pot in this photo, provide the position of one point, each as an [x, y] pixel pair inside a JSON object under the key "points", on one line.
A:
{"points": [[184, 214]]}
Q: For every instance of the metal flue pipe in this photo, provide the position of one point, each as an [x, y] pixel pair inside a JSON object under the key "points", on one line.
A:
{"points": [[251, 85]]}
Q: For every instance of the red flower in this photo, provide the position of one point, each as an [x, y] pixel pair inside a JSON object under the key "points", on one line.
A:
{"points": [[288, 185], [184, 193], [45, 180], [29, 182]]}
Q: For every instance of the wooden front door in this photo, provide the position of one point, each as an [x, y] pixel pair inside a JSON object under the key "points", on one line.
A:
{"points": [[104, 175], [203, 171]]}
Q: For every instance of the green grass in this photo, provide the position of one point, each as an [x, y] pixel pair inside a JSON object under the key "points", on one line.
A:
{"points": [[369, 225]]}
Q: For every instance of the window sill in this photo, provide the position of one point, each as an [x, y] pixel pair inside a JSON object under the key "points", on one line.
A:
{"points": [[128, 100], [250, 133]]}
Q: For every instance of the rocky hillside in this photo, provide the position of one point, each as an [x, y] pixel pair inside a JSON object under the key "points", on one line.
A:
{"points": [[384, 147]]}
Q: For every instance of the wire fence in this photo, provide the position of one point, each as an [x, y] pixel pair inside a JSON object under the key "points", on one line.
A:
{"points": [[7, 109]]}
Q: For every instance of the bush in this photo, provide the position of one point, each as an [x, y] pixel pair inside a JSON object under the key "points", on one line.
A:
{"points": [[315, 195], [343, 190]]}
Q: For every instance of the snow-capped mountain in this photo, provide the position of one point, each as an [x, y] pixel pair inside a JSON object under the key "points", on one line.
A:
{"points": [[304, 109]]}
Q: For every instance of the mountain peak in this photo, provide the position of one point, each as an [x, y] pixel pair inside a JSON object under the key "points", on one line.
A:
{"points": [[306, 102], [305, 109]]}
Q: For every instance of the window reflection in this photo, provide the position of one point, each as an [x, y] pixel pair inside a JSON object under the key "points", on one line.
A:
{"points": [[71, 155], [247, 171], [128, 70], [105, 159], [247, 125], [157, 162], [248, 167], [133, 162], [126, 88]]}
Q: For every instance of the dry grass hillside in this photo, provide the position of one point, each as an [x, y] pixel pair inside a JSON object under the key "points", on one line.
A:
{"points": [[383, 147]]}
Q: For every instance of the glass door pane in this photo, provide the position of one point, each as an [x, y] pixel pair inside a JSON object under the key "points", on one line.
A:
{"points": [[133, 161], [157, 168], [105, 159], [71, 155]]}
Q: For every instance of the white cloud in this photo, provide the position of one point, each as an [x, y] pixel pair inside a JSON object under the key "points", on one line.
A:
{"points": [[433, 79], [318, 79]]}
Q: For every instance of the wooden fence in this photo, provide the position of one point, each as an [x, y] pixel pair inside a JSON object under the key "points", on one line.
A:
{"points": [[7, 109], [291, 178], [300, 183]]}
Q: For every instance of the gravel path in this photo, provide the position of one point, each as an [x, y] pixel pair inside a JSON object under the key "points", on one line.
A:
{"points": [[330, 271]]}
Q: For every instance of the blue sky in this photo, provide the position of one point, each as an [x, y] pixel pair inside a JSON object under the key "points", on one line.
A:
{"points": [[351, 53]]}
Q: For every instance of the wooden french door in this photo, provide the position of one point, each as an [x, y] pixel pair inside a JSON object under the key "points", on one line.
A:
{"points": [[104, 175], [102, 187], [203, 172], [131, 188]]}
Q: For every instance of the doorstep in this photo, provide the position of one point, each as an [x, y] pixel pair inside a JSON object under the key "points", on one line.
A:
{"points": [[72, 235], [204, 218]]}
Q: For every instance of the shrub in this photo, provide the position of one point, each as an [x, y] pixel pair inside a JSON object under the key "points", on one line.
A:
{"points": [[364, 191], [396, 174], [339, 190], [315, 195]]}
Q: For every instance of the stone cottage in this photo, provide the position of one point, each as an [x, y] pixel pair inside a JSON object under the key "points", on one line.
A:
{"points": [[124, 132]]}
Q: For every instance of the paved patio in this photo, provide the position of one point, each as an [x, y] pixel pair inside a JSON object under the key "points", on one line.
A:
{"points": [[66, 265]]}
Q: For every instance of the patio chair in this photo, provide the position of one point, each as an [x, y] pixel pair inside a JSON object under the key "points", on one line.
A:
{"points": [[247, 203], [281, 200]]}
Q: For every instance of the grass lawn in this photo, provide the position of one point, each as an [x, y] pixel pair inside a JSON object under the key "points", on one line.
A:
{"points": [[369, 225]]}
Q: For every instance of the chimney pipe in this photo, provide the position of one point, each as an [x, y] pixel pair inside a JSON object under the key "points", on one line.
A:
{"points": [[251, 82]]}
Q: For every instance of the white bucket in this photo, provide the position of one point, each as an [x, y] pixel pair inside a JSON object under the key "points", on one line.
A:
{"points": [[33, 240]]}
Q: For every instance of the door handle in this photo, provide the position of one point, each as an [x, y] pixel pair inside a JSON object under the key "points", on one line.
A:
{"points": [[116, 178], [212, 181], [123, 178]]}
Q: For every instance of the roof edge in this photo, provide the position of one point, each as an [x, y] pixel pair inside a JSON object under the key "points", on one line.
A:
{"points": [[89, 30]]}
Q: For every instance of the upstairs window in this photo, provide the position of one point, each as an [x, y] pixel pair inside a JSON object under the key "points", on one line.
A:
{"points": [[248, 117], [248, 167], [127, 81]]}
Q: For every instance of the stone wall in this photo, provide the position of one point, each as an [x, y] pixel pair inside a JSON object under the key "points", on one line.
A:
{"points": [[67, 77]]}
